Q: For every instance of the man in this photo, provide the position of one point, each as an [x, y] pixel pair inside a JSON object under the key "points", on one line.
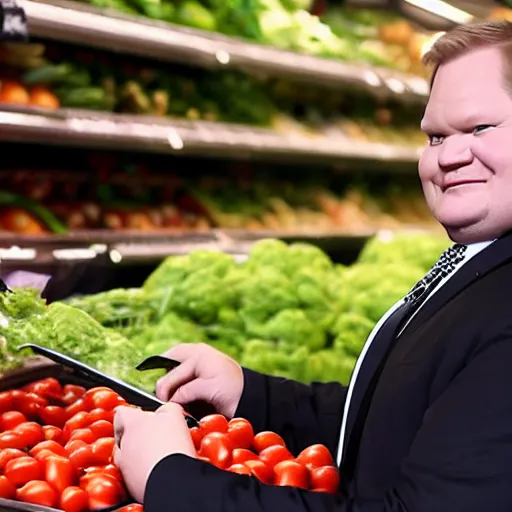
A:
{"points": [[426, 423]]}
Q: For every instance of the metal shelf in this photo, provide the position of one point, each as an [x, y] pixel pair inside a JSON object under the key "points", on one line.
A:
{"points": [[200, 138], [83, 24]]}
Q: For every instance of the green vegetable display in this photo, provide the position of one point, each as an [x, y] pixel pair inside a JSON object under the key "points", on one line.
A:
{"points": [[287, 310]]}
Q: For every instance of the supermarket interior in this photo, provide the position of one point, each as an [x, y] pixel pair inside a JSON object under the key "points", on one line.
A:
{"points": [[143, 142]]}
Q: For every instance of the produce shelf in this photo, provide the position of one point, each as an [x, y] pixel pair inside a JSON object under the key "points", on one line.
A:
{"points": [[87, 25], [199, 138]]}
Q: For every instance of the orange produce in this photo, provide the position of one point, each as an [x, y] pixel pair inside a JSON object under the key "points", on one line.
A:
{"points": [[43, 98], [14, 93]]}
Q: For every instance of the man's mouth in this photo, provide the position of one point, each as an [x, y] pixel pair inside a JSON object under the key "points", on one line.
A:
{"points": [[458, 183]]}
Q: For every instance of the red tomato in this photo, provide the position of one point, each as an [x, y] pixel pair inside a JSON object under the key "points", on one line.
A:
{"points": [[76, 407], [103, 491], [102, 428], [44, 454], [6, 401], [72, 446], [11, 419], [109, 469], [11, 439], [83, 434], [39, 493], [103, 398], [53, 446], [265, 439], [74, 499], [241, 433], [260, 470], [240, 469], [21, 470], [71, 393], [315, 456], [31, 433], [241, 455], [101, 414], [102, 449], [7, 488], [217, 447], [134, 507], [31, 404], [291, 473], [82, 457], [47, 388], [275, 454], [78, 420], [59, 473], [8, 454], [213, 423], [53, 415], [197, 436], [326, 478], [51, 433]]}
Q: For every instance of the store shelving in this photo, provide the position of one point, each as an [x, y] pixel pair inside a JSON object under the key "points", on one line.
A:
{"points": [[96, 130], [77, 23]]}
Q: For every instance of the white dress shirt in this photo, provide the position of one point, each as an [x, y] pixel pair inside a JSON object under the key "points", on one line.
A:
{"points": [[471, 251]]}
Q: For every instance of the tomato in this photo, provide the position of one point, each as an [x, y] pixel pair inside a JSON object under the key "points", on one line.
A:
{"points": [[51, 433], [71, 393], [134, 507], [109, 469], [103, 398], [21, 470], [31, 404], [6, 401], [326, 478], [31, 433], [11, 439], [75, 408], [240, 469], [197, 436], [83, 434], [78, 420], [7, 488], [53, 415], [8, 454], [74, 499], [265, 439], [11, 419], [38, 493], [72, 446], [291, 473], [240, 455], [82, 457], [213, 423], [47, 388], [103, 491], [315, 456], [241, 433], [59, 473], [275, 454], [102, 428], [100, 414], [260, 470], [103, 449], [217, 447], [53, 446], [44, 454]]}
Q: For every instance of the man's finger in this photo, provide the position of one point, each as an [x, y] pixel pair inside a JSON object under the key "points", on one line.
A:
{"points": [[122, 418], [117, 456], [181, 352], [169, 383], [170, 408]]}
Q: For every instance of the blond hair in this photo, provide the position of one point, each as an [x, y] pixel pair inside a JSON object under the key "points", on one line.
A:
{"points": [[472, 36]]}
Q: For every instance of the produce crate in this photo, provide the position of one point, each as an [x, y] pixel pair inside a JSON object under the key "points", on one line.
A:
{"points": [[68, 371]]}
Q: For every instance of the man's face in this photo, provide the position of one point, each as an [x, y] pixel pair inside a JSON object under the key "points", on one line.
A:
{"points": [[466, 169]]}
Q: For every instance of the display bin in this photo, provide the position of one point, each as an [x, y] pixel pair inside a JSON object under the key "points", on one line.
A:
{"points": [[66, 370]]}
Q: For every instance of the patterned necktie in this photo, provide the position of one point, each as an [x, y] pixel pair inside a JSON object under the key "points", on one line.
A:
{"points": [[444, 266]]}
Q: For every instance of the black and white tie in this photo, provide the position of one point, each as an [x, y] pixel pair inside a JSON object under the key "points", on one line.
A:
{"points": [[444, 266]]}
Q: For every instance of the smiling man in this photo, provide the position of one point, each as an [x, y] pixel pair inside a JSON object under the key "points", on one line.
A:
{"points": [[426, 423]]}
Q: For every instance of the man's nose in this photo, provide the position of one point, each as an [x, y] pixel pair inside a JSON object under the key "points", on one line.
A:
{"points": [[455, 152]]}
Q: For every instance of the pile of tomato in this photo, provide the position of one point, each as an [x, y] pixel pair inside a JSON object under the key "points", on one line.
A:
{"points": [[233, 446], [56, 447]]}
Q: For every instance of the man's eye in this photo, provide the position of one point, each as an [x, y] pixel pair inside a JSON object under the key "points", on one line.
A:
{"points": [[434, 140], [482, 127]]}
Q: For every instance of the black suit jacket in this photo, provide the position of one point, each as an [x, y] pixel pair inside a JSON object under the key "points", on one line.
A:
{"points": [[430, 422]]}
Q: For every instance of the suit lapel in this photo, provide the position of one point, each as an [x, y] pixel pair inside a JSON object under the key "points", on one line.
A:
{"points": [[493, 256]]}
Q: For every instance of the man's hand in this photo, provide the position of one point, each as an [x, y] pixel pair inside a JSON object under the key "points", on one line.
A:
{"points": [[143, 439], [204, 374]]}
